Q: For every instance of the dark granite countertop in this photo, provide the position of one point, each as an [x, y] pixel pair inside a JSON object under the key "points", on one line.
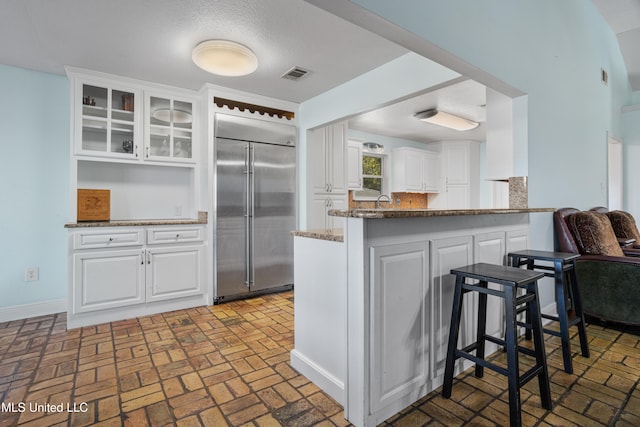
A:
{"points": [[330, 235], [421, 213], [202, 219]]}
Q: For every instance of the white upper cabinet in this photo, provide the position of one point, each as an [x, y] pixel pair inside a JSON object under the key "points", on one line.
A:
{"points": [[327, 159], [460, 175], [354, 165], [414, 170], [169, 128], [119, 120], [107, 118]]}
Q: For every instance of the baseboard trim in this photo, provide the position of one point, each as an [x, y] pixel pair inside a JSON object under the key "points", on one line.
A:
{"points": [[323, 379], [8, 314]]}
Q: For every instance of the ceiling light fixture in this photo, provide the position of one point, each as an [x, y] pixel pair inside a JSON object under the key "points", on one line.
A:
{"points": [[168, 115], [447, 120], [225, 58], [373, 147]]}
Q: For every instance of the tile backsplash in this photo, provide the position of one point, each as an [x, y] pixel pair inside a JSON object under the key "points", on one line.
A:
{"points": [[398, 201]]}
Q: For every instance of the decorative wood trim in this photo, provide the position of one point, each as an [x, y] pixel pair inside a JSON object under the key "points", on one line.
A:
{"points": [[253, 108]]}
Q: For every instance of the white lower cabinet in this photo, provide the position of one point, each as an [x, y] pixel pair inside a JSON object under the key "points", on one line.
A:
{"points": [[115, 269], [448, 253], [174, 272], [321, 205], [399, 322], [108, 279]]}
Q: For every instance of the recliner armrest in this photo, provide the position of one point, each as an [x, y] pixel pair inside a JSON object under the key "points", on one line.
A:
{"points": [[635, 260]]}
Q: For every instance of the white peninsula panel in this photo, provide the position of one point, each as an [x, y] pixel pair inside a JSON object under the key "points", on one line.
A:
{"points": [[372, 330]]}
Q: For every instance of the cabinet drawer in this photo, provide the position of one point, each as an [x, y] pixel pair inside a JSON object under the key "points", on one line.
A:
{"points": [[107, 239], [174, 235]]}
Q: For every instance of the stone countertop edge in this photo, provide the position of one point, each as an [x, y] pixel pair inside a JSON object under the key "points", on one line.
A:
{"points": [[329, 235], [422, 213], [202, 219]]}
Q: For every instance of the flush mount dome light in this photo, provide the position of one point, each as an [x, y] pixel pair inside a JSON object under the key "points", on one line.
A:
{"points": [[168, 115], [225, 58], [447, 120]]}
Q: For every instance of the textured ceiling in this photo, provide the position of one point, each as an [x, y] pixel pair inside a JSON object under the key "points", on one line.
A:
{"points": [[623, 16], [153, 39]]}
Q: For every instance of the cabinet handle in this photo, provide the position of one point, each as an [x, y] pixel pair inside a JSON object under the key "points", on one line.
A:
{"points": [[177, 236], [330, 188], [148, 258], [147, 150], [142, 258], [135, 149], [111, 239]]}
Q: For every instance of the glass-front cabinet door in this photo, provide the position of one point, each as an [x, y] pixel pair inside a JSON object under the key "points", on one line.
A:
{"points": [[169, 129], [108, 125]]}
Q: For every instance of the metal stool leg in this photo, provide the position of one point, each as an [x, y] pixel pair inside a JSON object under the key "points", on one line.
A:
{"points": [[540, 354], [456, 313], [512, 356], [561, 308], [527, 331], [577, 306], [482, 327]]}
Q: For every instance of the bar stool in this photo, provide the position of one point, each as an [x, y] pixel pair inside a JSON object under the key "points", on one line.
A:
{"points": [[564, 265], [511, 279]]}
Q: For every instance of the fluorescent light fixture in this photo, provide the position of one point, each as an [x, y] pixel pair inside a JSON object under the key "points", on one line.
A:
{"points": [[447, 120], [168, 115], [225, 58]]}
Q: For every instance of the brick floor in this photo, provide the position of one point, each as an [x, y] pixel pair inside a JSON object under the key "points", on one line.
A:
{"points": [[228, 365]]}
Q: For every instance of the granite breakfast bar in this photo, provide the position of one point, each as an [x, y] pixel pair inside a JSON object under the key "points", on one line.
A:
{"points": [[378, 304]]}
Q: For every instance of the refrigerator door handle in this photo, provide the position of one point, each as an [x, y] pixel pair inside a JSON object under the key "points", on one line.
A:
{"points": [[247, 216], [251, 198]]}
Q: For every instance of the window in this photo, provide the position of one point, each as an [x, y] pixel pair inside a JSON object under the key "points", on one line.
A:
{"points": [[373, 179]]}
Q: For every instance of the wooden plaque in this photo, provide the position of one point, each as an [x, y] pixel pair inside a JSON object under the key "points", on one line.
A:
{"points": [[94, 205]]}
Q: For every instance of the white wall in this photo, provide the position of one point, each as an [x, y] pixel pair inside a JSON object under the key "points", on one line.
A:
{"points": [[553, 52], [34, 185], [631, 158]]}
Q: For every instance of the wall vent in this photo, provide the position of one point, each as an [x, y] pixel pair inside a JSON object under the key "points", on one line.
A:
{"points": [[604, 77], [295, 73]]}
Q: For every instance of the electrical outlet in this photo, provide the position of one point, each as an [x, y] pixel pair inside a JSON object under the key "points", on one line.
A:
{"points": [[31, 274]]}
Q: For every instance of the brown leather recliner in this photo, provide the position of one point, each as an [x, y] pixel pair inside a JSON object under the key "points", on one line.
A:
{"points": [[609, 284], [625, 228]]}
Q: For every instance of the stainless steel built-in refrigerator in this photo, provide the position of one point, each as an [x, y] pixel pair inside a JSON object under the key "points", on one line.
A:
{"points": [[255, 206]]}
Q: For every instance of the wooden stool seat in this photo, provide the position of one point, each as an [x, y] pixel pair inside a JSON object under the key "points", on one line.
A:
{"points": [[511, 279], [566, 292]]}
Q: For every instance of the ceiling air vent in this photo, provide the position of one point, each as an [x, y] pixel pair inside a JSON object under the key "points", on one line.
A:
{"points": [[295, 73]]}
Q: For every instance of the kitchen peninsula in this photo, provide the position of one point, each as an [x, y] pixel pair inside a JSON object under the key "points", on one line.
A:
{"points": [[372, 312]]}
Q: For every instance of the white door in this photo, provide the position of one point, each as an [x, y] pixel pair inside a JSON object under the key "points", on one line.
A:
{"points": [[354, 165], [456, 162], [446, 254], [615, 170], [316, 160], [335, 222], [431, 172], [414, 171], [399, 322], [108, 279], [458, 196], [337, 161], [174, 272]]}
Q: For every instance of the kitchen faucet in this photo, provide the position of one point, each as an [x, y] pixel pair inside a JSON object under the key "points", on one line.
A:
{"points": [[380, 197]]}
